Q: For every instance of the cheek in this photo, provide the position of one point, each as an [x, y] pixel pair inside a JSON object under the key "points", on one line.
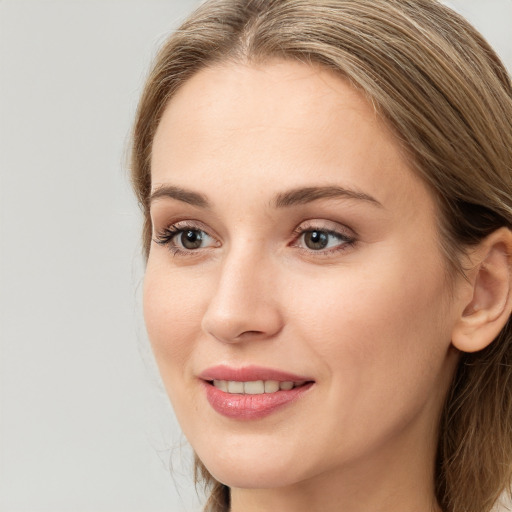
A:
{"points": [[172, 320], [382, 331], [373, 306], [382, 349]]}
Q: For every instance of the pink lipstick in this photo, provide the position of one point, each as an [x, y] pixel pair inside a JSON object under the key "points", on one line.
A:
{"points": [[251, 392]]}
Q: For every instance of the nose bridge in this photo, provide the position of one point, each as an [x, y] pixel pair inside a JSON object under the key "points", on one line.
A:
{"points": [[243, 305]]}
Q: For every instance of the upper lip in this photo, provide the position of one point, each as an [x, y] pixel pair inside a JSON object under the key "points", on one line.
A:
{"points": [[250, 373]]}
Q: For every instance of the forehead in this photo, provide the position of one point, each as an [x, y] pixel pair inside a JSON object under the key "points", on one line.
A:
{"points": [[274, 125], [289, 89], [284, 96]]}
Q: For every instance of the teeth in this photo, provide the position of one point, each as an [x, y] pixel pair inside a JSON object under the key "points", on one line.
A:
{"points": [[271, 386], [235, 387], [256, 387], [221, 384]]}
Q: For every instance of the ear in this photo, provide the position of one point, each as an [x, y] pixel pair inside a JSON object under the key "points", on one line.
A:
{"points": [[490, 282]]}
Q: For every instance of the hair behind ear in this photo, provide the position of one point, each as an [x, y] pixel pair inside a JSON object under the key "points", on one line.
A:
{"points": [[475, 447]]}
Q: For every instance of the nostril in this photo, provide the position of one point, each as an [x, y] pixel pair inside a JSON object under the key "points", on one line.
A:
{"points": [[249, 335]]}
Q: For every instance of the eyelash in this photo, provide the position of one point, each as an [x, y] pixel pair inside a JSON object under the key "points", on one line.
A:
{"points": [[166, 237]]}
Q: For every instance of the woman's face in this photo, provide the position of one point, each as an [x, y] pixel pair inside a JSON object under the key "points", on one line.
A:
{"points": [[293, 243]]}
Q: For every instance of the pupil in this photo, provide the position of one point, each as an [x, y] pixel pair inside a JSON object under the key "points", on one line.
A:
{"points": [[191, 239], [316, 240]]}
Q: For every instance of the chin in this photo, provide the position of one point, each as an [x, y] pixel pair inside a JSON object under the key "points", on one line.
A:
{"points": [[254, 471], [252, 477]]}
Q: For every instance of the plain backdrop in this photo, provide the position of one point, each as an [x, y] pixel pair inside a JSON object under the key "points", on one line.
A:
{"points": [[84, 423]]}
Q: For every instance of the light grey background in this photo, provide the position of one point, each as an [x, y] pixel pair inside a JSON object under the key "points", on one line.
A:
{"points": [[84, 423]]}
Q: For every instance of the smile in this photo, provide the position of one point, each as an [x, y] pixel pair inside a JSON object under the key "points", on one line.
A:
{"points": [[255, 387], [252, 392]]}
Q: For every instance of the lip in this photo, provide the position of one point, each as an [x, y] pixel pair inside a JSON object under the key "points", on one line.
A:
{"points": [[250, 373], [251, 407]]}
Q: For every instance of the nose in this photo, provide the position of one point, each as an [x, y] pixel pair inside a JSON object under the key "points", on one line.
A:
{"points": [[244, 304]]}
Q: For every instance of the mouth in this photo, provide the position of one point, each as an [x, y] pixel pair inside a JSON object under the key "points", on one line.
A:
{"points": [[255, 387], [252, 393]]}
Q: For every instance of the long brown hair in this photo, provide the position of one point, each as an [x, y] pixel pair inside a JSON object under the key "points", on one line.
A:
{"points": [[448, 97]]}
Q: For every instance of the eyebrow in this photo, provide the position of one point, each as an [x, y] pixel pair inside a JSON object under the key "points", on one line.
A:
{"points": [[306, 195], [287, 199], [180, 194]]}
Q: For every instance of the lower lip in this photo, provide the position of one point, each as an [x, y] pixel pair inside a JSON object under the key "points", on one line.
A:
{"points": [[251, 407]]}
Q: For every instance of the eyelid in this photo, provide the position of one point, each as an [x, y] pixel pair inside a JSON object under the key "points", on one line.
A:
{"points": [[183, 225], [327, 226]]}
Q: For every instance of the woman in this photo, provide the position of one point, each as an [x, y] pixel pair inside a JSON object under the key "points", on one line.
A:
{"points": [[327, 195]]}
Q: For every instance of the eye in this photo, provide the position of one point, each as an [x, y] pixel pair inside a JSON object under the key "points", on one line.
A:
{"points": [[322, 240], [318, 240], [181, 238], [191, 239]]}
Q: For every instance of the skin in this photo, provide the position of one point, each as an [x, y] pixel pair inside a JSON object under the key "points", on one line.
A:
{"points": [[370, 320]]}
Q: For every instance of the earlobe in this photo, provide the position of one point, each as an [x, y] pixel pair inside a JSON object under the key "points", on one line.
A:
{"points": [[490, 279]]}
